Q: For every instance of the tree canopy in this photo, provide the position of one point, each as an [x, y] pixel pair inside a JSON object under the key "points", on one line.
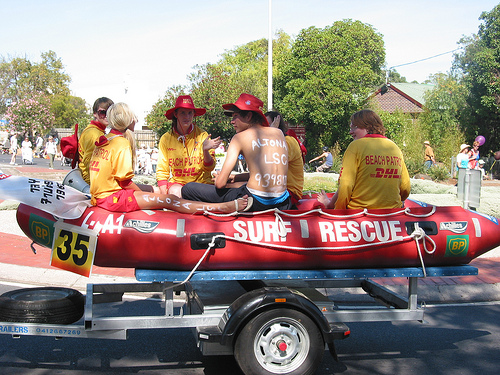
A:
{"points": [[479, 62], [22, 81], [327, 77]]}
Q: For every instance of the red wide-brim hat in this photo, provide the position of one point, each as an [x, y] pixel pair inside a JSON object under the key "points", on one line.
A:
{"points": [[184, 101], [246, 102]]}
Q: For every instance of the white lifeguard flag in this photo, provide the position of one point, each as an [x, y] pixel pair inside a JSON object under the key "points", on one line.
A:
{"points": [[53, 197]]}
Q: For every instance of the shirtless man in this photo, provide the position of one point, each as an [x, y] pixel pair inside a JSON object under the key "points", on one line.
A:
{"points": [[266, 153]]}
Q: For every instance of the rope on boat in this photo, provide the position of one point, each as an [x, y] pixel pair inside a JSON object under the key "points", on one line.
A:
{"points": [[364, 212], [417, 235]]}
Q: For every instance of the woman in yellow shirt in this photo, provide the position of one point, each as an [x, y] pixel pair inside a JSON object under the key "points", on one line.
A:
{"points": [[186, 152], [373, 173]]}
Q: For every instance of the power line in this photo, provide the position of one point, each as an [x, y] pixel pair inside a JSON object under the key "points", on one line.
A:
{"points": [[427, 58]]}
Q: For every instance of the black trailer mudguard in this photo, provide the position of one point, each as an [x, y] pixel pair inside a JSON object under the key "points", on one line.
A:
{"points": [[256, 301]]}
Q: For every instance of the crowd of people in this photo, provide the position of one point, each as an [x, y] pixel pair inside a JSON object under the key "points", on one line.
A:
{"points": [[468, 158], [28, 150]]}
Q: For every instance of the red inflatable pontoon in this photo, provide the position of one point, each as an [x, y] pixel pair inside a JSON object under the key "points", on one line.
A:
{"points": [[310, 238]]}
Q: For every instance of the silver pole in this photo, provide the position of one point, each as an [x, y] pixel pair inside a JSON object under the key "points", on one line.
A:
{"points": [[270, 63]]}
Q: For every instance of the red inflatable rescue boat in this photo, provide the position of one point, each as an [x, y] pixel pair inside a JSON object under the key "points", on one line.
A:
{"points": [[309, 238]]}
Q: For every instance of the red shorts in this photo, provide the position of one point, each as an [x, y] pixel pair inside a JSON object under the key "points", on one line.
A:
{"points": [[121, 201]]}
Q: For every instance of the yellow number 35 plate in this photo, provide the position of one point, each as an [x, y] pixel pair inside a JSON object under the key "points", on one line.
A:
{"points": [[73, 248]]}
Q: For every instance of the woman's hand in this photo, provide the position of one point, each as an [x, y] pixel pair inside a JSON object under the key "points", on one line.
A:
{"points": [[210, 143]]}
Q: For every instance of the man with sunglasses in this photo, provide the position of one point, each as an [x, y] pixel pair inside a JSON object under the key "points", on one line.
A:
{"points": [[96, 128]]}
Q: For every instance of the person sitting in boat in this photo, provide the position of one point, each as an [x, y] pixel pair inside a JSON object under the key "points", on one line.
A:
{"points": [[266, 153], [295, 176], [186, 152], [373, 173], [96, 128], [111, 173]]}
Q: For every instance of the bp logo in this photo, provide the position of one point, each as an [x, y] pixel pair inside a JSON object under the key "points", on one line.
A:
{"points": [[457, 246], [42, 230]]}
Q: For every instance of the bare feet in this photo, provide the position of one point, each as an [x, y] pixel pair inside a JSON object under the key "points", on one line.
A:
{"points": [[323, 198], [239, 205]]}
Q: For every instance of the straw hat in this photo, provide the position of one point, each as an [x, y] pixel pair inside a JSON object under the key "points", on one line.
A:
{"points": [[463, 146]]}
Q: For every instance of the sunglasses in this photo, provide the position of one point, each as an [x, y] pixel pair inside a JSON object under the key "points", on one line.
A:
{"points": [[101, 113]]}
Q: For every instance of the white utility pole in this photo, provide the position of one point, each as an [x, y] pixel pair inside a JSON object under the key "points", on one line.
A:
{"points": [[270, 63]]}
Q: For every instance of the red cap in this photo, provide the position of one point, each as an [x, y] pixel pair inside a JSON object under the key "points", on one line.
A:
{"points": [[184, 101], [247, 102]]}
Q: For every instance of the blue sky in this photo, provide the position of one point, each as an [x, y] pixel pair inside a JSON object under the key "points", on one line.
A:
{"points": [[133, 51]]}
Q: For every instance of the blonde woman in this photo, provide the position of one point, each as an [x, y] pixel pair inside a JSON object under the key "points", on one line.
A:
{"points": [[111, 173]]}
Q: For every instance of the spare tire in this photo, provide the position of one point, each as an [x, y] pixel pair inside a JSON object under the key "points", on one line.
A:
{"points": [[42, 305]]}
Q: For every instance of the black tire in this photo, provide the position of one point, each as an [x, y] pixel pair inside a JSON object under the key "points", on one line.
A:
{"points": [[280, 341], [42, 305]]}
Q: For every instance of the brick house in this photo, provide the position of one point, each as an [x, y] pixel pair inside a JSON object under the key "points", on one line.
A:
{"points": [[407, 97]]}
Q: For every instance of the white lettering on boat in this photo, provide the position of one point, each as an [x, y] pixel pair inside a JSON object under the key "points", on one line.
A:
{"points": [[110, 223], [258, 231], [352, 231], [367, 231]]}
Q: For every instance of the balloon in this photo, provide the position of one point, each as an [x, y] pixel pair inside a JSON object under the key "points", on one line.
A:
{"points": [[480, 139]]}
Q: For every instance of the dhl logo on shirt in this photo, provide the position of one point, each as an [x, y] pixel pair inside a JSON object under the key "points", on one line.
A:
{"points": [[186, 172], [386, 173], [94, 166]]}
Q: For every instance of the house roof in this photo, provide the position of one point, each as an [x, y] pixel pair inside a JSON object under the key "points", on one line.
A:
{"points": [[407, 97]]}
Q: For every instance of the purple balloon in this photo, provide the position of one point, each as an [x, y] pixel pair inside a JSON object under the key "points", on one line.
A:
{"points": [[480, 139]]}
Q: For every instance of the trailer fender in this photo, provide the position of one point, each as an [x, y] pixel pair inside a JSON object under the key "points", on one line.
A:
{"points": [[256, 301]]}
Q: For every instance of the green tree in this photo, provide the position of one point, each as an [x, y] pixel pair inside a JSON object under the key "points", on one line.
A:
{"points": [[443, 118], [327, 77], [69, 110], [20, 78], [479, 61], [395, 77], [242, 69], [156, 119], [213, 86]]}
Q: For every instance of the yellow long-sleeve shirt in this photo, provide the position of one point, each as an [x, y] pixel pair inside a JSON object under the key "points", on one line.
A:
{"points": [[295, 175], [183, 162], [86, 145], [373, 175], [110, 165]]}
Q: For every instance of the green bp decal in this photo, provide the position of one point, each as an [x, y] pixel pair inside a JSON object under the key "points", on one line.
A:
{"points": [[457, 246], [42, 230]]}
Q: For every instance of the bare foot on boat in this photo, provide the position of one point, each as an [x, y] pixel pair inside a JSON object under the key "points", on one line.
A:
{"points": [[323, 198], [241, 204]]}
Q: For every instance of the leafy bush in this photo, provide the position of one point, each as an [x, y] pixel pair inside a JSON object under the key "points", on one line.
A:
{"points": [[439, 173], [414, 166]]}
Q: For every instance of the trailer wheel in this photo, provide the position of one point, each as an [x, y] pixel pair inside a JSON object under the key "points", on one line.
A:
{"points": [[42, 305], [280, 341]]}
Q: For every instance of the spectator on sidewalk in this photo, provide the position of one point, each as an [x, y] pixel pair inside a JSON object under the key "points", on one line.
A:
{"points": [[51, 151]]}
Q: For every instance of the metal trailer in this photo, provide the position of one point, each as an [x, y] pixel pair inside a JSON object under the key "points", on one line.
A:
{"points": [[273, 322]]}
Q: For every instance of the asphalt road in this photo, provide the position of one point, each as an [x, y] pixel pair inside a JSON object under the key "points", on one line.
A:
{"points": [[37, 162], [458, 339]]}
